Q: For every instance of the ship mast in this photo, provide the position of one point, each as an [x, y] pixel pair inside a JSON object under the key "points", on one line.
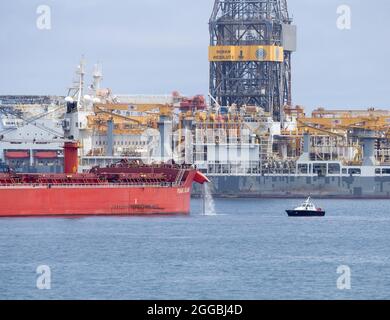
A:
{"points": [[97, 77], [76, 91], [81, 73]]}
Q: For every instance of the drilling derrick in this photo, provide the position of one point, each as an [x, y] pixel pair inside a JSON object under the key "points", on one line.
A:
{"points": [[251, 43]]}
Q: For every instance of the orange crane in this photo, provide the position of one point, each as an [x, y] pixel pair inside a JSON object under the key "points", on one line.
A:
{"points": [[128, 124], [344, 124]]}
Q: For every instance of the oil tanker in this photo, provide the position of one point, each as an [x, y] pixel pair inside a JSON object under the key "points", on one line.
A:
{"points": [[125, 188]]}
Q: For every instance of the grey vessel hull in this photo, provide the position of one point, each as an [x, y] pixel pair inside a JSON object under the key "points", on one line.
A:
{"points": [[298, 187]]}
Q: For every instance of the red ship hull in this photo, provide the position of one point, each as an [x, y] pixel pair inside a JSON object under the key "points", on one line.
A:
{"points": [[42, 201], [59, 195]]}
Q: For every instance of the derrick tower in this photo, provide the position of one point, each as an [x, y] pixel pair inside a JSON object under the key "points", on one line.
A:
{"points": [[251, 43]]}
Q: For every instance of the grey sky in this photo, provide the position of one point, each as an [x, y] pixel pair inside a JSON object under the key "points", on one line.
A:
{"points": [[156, 47]]}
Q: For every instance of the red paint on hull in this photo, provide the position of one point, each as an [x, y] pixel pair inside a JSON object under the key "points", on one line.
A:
{"points": [[44, 201], [126, 190]]}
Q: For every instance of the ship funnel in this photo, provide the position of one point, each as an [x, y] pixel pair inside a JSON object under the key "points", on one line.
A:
{"points": [[367, 140], [110, 138], [306, 148], [71, 159], [369, 152], [165, 130], [306, 143]]}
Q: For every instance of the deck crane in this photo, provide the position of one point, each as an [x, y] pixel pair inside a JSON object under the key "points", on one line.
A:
{"points": [[310, 128], [366, 131], [148, 116]]}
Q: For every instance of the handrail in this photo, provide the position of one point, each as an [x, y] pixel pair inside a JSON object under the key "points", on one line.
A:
{"points": [[69, 186]]}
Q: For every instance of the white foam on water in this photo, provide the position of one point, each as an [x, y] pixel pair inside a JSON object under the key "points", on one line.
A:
{"points": [[209, 204]]}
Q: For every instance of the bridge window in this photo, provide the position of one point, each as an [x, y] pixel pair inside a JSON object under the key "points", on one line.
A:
{"points": [[334, 168], [303, 168], [355, 171], [386, 171], [319, 169]]}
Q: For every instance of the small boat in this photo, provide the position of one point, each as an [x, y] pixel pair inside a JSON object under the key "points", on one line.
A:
{"points": [[307, 209]]}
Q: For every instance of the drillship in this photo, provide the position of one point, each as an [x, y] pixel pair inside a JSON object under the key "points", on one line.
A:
{"points": [[281, 152]]}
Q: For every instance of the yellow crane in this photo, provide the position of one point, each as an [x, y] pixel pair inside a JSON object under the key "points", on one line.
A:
{"points": [[344, 124]]}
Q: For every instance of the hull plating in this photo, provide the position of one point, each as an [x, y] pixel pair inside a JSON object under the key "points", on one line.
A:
{"points": [[295, 213], [298, 187], [59, 201]]}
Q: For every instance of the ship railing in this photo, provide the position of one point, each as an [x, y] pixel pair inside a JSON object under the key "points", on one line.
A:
{"points": [[179, 177], [233, 167], [85, 185]]}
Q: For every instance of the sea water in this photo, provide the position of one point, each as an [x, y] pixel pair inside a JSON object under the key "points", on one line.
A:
{"points": [[249, 250]]}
